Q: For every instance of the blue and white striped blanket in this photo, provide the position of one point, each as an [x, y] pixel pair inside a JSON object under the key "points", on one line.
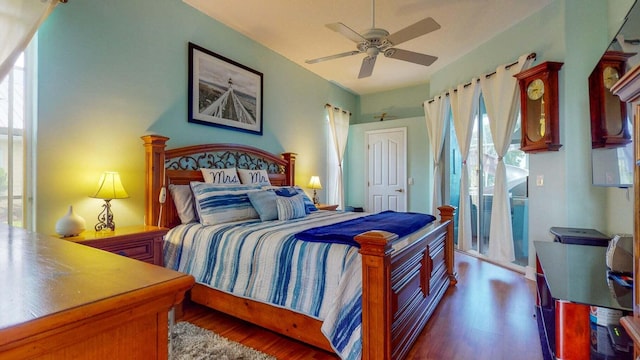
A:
{"points": [[321, 280]]}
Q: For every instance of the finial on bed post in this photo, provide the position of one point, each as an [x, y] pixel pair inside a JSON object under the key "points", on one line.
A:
{"points": [[290, 170], [154, 146], [446, 214]]}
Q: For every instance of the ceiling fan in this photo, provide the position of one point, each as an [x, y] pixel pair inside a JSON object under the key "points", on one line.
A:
{"points": [[375, 41]]}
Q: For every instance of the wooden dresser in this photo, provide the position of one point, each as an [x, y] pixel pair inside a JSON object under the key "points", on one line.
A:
{"points": [[628, 89], [62, 300]]}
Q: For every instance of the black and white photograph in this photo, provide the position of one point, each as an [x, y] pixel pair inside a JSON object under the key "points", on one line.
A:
{"points": [[223, 92]]}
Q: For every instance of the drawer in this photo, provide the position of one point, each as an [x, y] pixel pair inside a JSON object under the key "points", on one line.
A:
{"points": [[138, 249]]}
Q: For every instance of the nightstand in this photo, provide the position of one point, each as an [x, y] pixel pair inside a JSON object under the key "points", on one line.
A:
{"points": [[327, 207], [139, 242]]}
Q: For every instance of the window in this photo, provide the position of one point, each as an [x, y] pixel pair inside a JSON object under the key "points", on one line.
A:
{"points": [[16, 129]]}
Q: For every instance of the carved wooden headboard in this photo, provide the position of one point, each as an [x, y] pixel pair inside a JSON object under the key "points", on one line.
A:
{"points": [[182, 165]]}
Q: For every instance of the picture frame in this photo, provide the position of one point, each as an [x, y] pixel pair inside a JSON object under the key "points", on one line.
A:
{"points": [[223, 93]]}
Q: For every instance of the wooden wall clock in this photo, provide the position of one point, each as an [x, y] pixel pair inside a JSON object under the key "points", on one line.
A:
{"points": [[609, 125], [539, 107]]}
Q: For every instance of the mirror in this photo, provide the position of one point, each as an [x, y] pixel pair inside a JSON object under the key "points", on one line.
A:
{"points": [[612, 153]]}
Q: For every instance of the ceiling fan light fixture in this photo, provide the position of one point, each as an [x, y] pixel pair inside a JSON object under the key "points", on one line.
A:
{"points": [[375, 41]]}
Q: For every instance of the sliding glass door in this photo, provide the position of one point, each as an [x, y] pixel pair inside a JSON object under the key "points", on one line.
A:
{"points": [[481, 162]]}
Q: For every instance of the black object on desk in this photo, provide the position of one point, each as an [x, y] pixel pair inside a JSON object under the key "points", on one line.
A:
{"points": [[579, 236]]}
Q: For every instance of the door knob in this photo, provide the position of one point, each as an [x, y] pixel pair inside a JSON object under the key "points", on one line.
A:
{"points": [[399, 190]]}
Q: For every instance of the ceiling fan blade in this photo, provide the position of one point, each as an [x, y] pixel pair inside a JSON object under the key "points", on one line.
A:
{"points": [[331, 57], [367, 66], [420, 28], [410, 56], [348, 32]]}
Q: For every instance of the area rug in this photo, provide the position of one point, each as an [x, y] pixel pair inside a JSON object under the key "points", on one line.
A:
{"points": [[190, 342]]}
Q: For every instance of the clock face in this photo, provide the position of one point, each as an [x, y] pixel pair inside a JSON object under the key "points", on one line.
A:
{"points": [[535, 90], [610, 76]]}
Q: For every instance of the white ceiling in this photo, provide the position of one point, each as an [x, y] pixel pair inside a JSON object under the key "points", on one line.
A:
{"points": [[296, 30]]}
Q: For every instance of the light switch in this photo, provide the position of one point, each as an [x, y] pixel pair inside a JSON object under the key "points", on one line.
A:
{"points": [[540, 180], [410, 181]]}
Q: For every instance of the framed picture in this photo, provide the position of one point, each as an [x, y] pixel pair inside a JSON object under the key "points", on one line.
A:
{"points": [[223, 93]]}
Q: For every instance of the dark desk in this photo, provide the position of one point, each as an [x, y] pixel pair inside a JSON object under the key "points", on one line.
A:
{"points": [[570, 279]]}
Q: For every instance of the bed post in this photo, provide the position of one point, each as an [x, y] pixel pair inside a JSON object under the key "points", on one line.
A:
{"points": [[446, 213], [154, 159], [377, 312], [290, 169]]}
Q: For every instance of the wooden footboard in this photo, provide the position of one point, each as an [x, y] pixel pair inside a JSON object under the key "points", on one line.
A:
{"points": [[401, 289]]}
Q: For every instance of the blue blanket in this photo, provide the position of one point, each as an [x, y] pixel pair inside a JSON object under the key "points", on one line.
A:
{"points": [[401, 223]]}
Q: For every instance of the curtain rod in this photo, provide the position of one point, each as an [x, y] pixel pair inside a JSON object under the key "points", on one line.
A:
{"points": [[337, 108], [530, 56]]}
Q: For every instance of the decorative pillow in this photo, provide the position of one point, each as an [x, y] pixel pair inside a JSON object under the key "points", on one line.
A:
{"points": [[217, 204], [288, 191], [308, 203], [290, 207], [183, 200], [254, 176], [220, 176], [264, 202]]}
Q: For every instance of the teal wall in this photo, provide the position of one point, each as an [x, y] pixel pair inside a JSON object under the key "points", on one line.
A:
{"points": [[400, 103], [110, 72]]}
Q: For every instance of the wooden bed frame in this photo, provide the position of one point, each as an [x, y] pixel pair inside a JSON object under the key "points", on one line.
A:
{"points": [[401, 288]]}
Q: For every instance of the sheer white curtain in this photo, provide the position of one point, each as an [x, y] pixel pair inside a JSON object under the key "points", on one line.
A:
{"points": [[436, 112], [19, 21], [501, 98], [464, 100], [339, 131]]}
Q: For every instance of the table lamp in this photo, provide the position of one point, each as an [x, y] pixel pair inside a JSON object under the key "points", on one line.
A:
{"points": [[109, 188], [314, 184]]}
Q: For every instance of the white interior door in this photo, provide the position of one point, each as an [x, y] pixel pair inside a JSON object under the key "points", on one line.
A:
{"points": [[387, 170]]}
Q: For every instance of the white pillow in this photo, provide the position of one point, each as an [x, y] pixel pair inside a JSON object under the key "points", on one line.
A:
{"points": [[290, 207], [260, 176], [220, 176], [184, 202], [216, 206]]}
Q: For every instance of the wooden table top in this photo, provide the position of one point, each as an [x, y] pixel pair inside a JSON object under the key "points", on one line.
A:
{"points": [[42, 277]]}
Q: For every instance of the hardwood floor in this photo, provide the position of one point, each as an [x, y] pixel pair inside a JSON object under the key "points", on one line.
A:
{"points": [[487, 315]]}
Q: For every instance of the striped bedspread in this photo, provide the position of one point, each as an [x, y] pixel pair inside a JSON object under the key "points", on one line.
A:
{"points": [[265, 262]]}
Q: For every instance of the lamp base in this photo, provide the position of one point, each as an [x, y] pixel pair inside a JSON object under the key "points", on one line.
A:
{"points": [[105, 218], [315, 199]]}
